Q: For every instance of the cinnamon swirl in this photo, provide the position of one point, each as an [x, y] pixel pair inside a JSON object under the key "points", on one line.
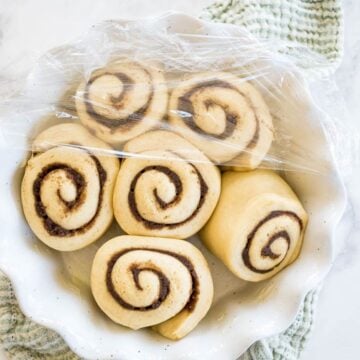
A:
{"points": [[224, 116], [67, 190], [145, 281], [258, 226], [161, 192], [122, 100]]}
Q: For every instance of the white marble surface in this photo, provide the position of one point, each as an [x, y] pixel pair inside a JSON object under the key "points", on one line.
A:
{"points": [[27, 29]]}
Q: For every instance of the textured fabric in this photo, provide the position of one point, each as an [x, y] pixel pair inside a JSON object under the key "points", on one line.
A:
{"points": [[310, 31], [306, 27], [23, 339], [289, 344]]}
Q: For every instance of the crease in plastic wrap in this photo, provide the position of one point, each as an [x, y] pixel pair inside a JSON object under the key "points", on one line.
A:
{"points": [[239, 101]]}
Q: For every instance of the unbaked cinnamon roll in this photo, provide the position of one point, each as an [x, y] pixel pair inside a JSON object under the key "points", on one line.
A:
{"points": [[145, 281], [67, 187], [168, 188], [258, 225], [224, 116], [122, 100]]}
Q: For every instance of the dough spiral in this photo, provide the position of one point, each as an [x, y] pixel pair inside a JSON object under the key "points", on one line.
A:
{"points": [[144, 281], [258, 225], [224, 116], [122, 100], [161, 192], [67, 190]]}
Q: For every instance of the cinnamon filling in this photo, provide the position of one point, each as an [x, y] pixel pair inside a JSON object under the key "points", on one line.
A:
{"points": [[164, 282], [51, 226], [266, 250], [127, 122], [185, 106], [174, 178]]}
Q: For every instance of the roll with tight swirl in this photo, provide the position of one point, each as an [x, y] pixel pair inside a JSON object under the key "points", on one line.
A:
{"points": [[122, 100], [258, 225], [145, 281], [67, 189], [224, 116], [168, 188]]}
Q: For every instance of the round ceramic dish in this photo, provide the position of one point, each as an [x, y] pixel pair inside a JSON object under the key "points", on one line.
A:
{"points": [[52, 288]]}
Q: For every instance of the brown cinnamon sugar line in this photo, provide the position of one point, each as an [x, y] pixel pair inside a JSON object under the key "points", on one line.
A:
{"points": [[164, 289], [124, 123], [175, 179], [51, 226], [266, 250], [185, 106]]}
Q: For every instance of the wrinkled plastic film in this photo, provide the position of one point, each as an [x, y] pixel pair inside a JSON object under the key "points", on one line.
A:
{"points": [[237, 100]]}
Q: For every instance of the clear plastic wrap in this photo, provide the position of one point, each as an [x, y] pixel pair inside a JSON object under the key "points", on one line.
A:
{"points": [[240, 102], [177, 100]]}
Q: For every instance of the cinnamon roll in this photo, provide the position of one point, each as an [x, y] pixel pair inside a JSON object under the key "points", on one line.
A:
{"points": [[67, 190], [160, 192], [122, 100], [258, 226], [145, 281], [224, 116]]}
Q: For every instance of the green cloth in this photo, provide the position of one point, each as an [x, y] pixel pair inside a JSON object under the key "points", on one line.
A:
{"points": [[289, 344], [23, 339], [307, 27], [309, 31]]}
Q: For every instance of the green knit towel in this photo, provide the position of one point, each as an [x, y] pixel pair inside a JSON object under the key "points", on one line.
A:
{"points": [[310, 31], [23, 339], [307, 27], [289, 344]]}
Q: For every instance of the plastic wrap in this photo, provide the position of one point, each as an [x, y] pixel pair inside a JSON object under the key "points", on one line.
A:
{"points": [[176, 102], [240, 102]]}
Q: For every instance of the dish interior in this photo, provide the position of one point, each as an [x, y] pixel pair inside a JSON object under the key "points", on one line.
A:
{"points": [[53, 287]]}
